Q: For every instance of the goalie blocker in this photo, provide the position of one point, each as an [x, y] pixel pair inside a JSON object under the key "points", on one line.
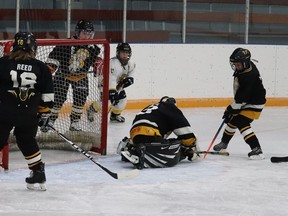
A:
{"points": [[155, 155]]}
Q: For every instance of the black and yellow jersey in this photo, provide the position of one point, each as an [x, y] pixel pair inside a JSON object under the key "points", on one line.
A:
{"points": [[161, 119], [25, 85], [249, 92], [73, 59], [248, 86]]}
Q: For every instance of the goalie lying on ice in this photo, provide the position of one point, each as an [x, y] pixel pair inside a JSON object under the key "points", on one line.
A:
{"points": [[148, 145]]}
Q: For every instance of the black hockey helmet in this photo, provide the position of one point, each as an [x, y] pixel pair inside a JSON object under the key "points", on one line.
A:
{"points": [[24, 41], [167, 99], [86, 26], [240, 55], [123, 47], [232, 57]]}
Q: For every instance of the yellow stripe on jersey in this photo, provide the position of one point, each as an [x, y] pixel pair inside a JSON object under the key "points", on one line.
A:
{"points": [[76, 77], [250, 114], [144, 130]]}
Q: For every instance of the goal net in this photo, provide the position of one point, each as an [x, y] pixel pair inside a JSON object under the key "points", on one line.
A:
{"points": [[92, 134]]}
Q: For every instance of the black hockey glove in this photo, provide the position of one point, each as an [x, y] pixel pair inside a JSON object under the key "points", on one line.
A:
{"points": [[227, 117], [44, 119], [127, 82], [113, 97], [229, 112], [187, 152]]}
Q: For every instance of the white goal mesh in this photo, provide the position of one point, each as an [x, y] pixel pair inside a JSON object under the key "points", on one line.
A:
{"points": [[93, 135]]}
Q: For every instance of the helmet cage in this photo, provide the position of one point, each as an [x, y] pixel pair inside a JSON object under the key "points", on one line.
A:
{"points": [[90, 33], [125, 47], [242, 56], [84, 26]]}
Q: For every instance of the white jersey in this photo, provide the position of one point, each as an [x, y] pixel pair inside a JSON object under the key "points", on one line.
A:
{"points": [[118, 72]]}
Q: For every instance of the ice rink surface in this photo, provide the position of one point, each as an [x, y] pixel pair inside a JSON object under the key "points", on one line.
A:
{"points": [[217, 185]]}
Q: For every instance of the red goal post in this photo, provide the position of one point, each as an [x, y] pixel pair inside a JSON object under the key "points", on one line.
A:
{"points": [[4, 154], [94, 134]]}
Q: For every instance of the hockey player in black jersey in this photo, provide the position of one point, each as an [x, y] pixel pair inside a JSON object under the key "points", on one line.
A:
{"points": [[26, 95], [71, 65], [249, 101], [148, 145]]}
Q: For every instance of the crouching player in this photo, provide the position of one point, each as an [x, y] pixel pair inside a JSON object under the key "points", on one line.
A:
{"points": [[148, 145]]}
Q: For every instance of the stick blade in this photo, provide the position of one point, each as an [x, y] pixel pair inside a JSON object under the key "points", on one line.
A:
{"points": [[224, 153], [279, 159], [130, 174]]}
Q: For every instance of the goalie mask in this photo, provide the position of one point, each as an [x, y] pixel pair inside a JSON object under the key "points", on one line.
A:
{"points": [[24, 41], [123, 47], [242, 56], [84, 26]]}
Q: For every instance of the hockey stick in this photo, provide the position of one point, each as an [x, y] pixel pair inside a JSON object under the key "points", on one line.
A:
{"points": [[128, 174], [279, 159], [214, 138], [213, 153]]}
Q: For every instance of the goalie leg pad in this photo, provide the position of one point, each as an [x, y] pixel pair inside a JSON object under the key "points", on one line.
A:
{"points": [[162, 154], [153, 155]]}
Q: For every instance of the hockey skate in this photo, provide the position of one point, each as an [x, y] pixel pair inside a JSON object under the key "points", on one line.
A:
{"points": [[75, 126], [256, 154], [90, 113], [134, 159], [37, 179], [46, 129], [117, 118], [135, 155], [123, 145], [220, 147]]}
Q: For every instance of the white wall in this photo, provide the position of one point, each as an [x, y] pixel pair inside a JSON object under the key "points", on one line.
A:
{"points": [[201, 70]]}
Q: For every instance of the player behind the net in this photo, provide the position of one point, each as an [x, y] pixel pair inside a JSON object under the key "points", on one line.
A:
{"points": [[122, 70], [71, 65], [149, 146], [26, 94]]}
